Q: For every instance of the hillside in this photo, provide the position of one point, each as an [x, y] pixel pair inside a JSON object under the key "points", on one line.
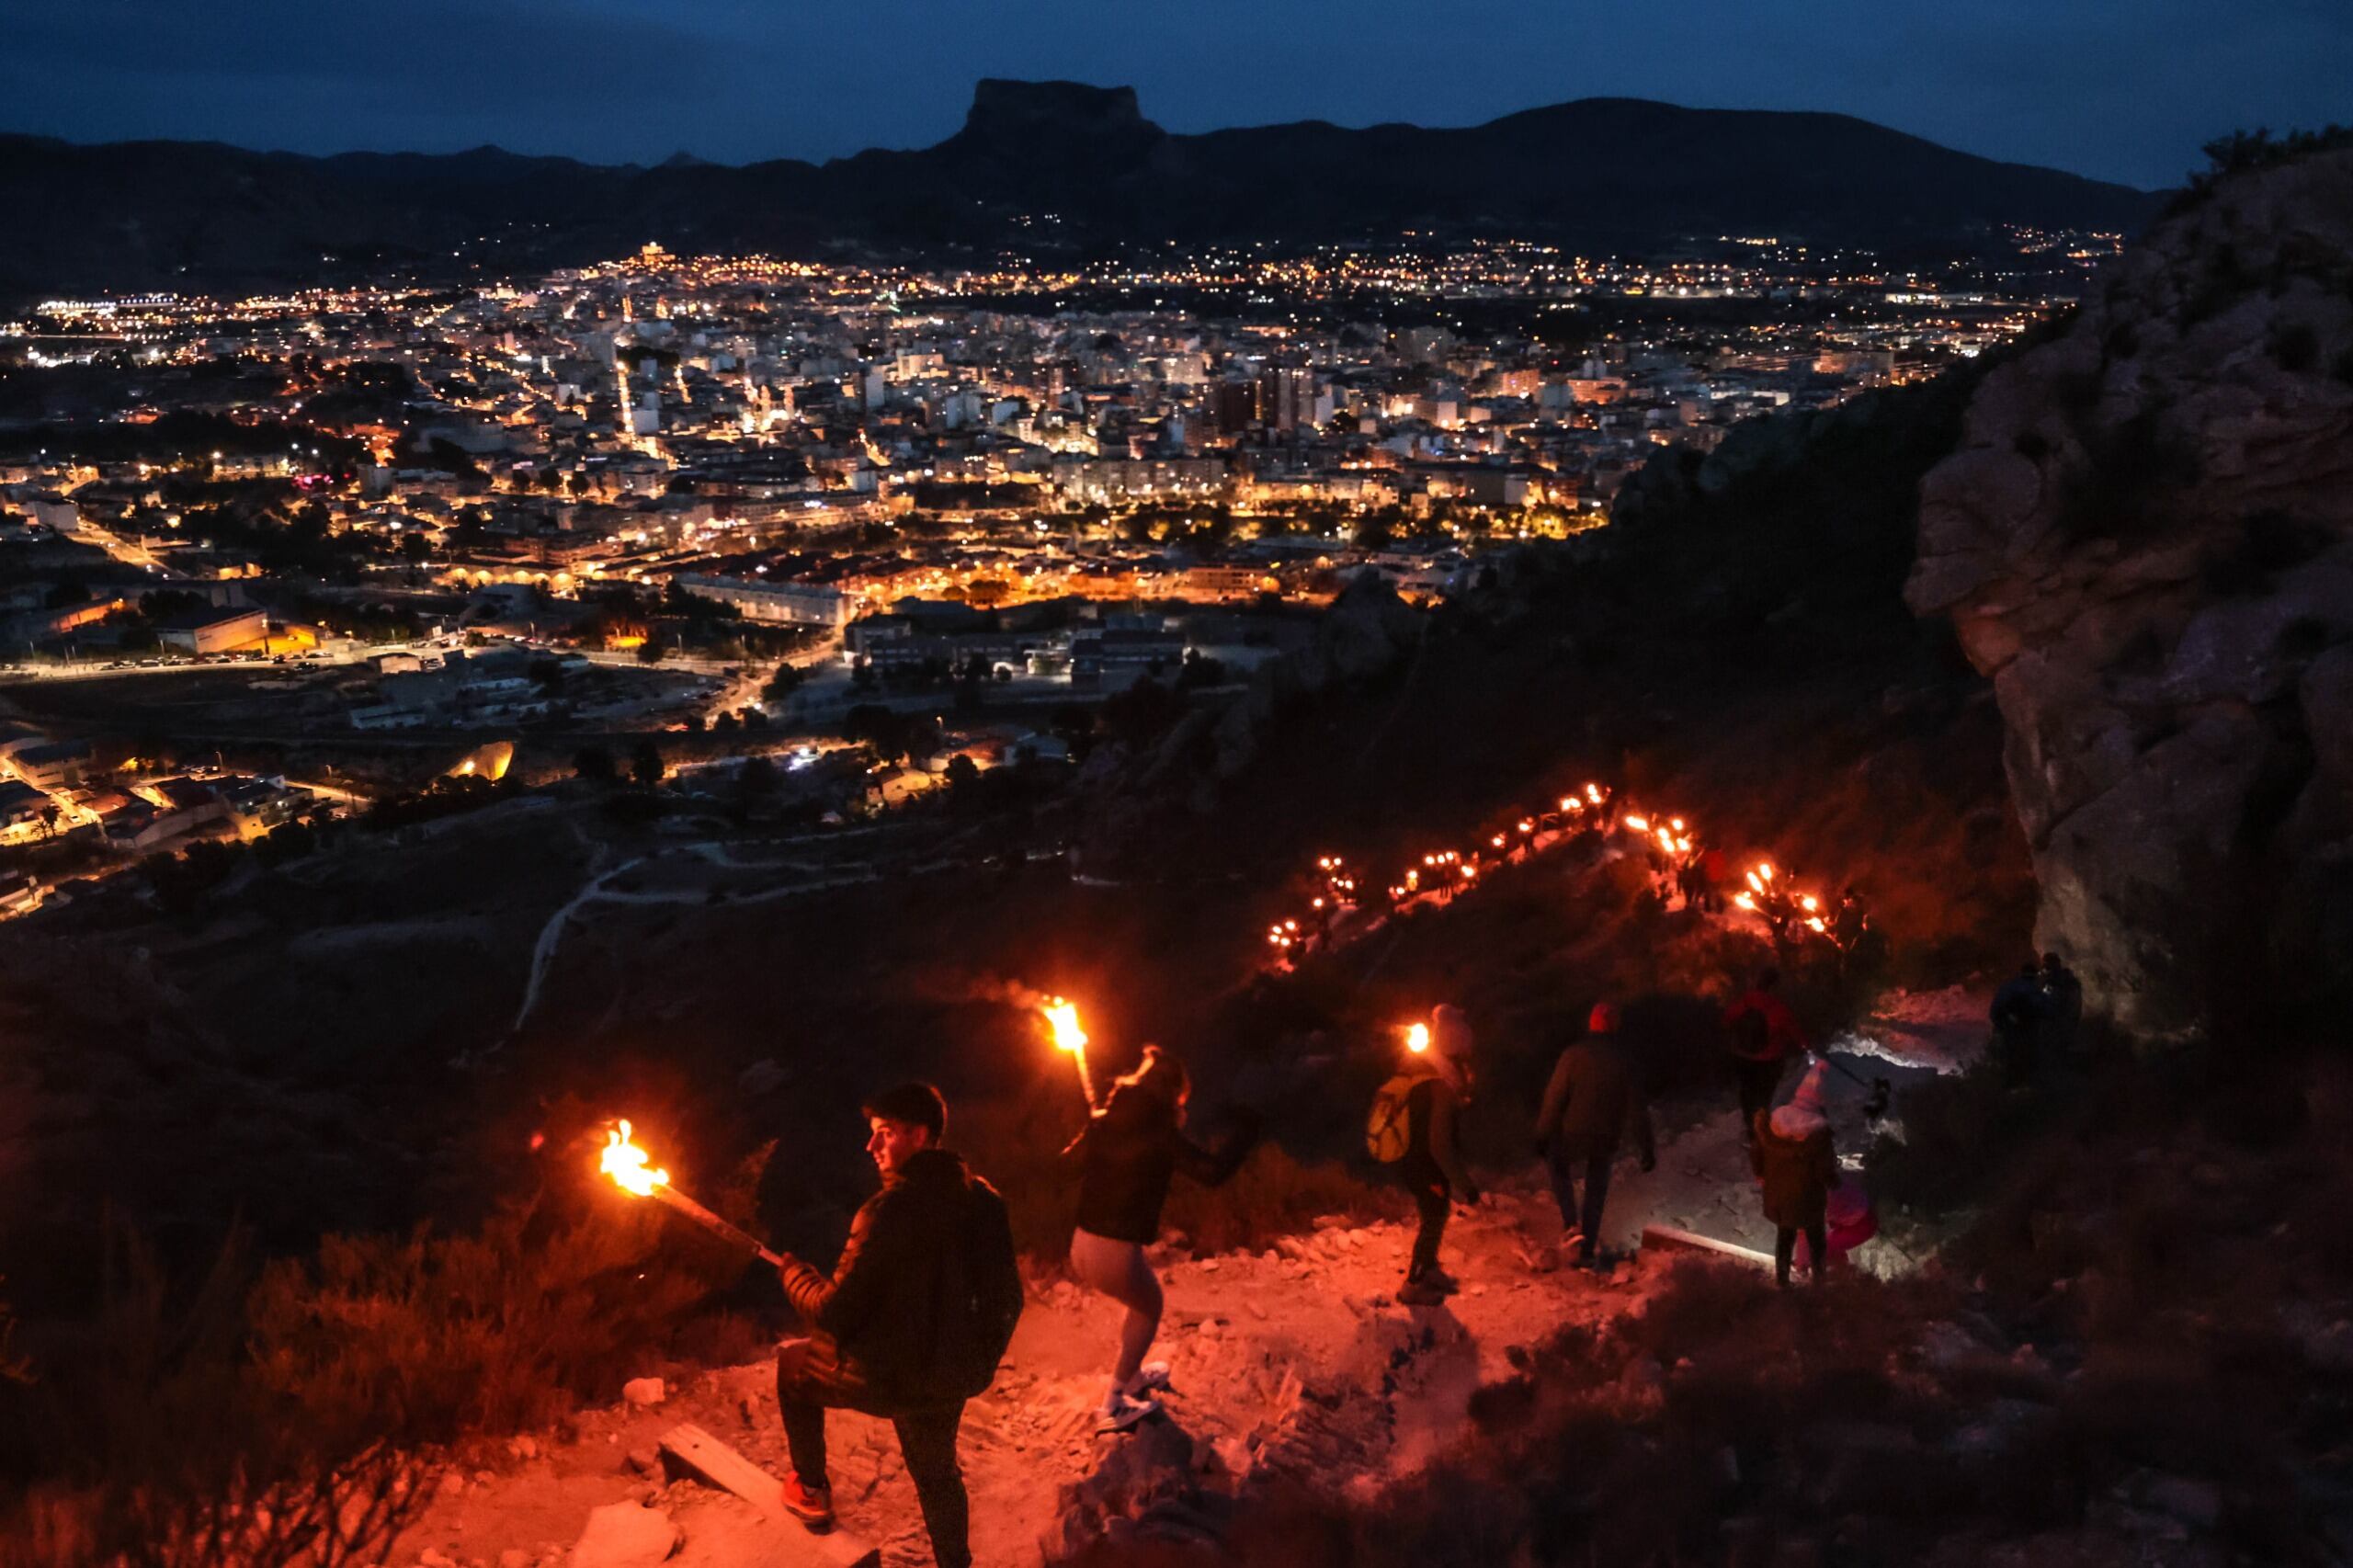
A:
{"points": [[1035, 164]]}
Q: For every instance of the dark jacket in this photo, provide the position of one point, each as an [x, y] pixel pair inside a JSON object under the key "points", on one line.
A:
{"points": [[1432, 1149], [910, 1249], [2020, 1004], [1798, 1173], [1595, 1097], [1129, 1153], [1782, 1035]]}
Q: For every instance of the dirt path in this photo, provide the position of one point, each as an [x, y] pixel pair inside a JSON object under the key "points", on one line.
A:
{"points": [[1293, 1360]]}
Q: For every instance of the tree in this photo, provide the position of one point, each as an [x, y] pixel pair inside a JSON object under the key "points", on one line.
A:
{"points": [[783, 684], [962, 771], [596, 765], [649, 652], [645, 763]]}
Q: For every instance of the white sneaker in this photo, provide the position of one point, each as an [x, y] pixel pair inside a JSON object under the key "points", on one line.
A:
{"points": [[1151, 1375], [1122, 1413]]}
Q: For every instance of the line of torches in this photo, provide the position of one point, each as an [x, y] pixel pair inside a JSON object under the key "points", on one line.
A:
{"points": [[1768, 893], [1446, 873]]}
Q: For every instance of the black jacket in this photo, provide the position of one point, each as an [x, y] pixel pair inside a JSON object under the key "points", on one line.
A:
{"points": [[912, 1247], [1129, 1153], [1595, 1097]]}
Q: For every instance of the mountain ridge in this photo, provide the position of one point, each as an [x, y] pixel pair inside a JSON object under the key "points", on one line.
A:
{"points": [[1035, 165]]}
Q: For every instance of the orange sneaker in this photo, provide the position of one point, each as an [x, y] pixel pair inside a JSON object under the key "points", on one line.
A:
{"points": [[813, 1505]]}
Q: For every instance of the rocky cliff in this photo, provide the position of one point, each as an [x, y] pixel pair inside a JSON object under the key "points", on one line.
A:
{"points": [[2146, 539]]}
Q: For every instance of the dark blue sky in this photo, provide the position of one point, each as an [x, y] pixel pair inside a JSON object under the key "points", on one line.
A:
{"points": [[2120, 89]]}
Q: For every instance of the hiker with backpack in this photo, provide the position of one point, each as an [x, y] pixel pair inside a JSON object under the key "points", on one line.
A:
{"points": [[1413, 1127], [1129, 1152], [910, 1324], [1594, 1098], [1762, 1034]]}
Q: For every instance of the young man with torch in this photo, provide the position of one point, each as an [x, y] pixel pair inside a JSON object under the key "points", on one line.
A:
{"points": [[911, 1323]]}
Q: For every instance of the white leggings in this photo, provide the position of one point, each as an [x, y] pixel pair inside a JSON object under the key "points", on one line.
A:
{"points": [[1118, 1269]]}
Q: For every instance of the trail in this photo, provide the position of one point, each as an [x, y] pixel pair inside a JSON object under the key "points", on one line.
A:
{"points": [[1294, 1363]]}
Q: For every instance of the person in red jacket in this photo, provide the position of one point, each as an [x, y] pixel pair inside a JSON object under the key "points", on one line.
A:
{"points": [[1763, 1034]]}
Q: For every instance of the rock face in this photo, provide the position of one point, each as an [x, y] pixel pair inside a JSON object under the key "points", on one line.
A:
{"points": [[2146, 539]]}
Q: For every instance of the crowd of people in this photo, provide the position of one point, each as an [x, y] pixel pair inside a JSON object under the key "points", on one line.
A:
{"points": [[1344, 900], [914, 1319]]}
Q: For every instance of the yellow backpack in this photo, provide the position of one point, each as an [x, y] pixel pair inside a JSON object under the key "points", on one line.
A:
{"points": [[1386, 1129]]}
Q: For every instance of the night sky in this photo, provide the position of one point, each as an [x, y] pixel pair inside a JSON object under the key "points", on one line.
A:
{"points": [[2120, 89]]}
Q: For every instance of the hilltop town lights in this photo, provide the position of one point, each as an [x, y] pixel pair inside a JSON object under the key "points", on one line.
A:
{"points": [[634, 1173]]}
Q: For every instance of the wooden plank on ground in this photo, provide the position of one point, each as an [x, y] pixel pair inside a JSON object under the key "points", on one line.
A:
{"points": [[1666, 1238], [704, 1457]]}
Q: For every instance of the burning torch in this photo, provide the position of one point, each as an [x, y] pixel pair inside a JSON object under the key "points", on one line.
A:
{"points": [[1062, 1018], [632, 1172]]}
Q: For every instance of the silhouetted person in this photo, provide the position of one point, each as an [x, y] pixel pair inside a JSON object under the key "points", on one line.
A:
{"points": [[1761, 1034], [910, 1324], [2063, 994], [2020, 1010], [1130, 1152], [1594, 1098]]}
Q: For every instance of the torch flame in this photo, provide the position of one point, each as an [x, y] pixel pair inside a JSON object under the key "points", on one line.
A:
{"points": [[1754, 882], [1743, 900], [1811, 903], [1765, 870], [1417, 1038], [1640, 825], [1062, 1018], [1592, 793], [626, 1163]]}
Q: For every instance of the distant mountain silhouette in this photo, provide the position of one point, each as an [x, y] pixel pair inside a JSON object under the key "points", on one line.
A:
{"points": [[1035, 164]]}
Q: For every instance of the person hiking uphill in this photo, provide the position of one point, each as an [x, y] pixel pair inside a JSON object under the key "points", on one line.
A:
{"points": [[911, 1323], [1762, 1033], [1413, 1125], [1129, 1152], [1595, 1097], [1792, 1156]]}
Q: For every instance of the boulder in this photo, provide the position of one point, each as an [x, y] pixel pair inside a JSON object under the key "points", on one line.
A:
{"points": [[643, 1394], [2146, 538], [624, 1535]]}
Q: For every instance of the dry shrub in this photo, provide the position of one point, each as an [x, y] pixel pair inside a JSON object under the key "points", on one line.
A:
{"points": [[436, 1336], [163, 1448], [1274, 1194]]}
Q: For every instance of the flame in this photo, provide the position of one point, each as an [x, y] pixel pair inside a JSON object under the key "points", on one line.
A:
{"points": [[1592, 793], [1666, 838], [1743, 900], [626, 1163], [1062, 1018], [1811, 903], [1754, 883], [1417, 1038], [1816, 924], [1640, 825], [1675, 823], [1765, 870]]}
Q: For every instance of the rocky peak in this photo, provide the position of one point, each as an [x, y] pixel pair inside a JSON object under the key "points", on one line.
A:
{"points": [[1014, 111], [2146, 539]]}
